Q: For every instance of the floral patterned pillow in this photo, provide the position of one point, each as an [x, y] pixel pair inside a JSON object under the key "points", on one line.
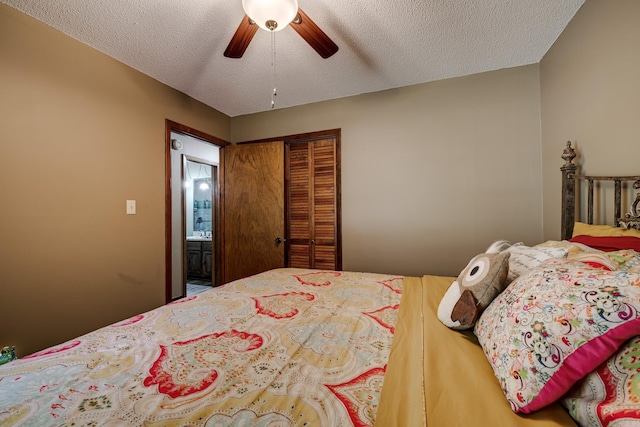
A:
{"points": [[610, 395], [628, 260], [554, 325]]}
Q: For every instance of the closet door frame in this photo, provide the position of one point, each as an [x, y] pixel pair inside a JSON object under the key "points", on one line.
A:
{"points": [[311, 137]]}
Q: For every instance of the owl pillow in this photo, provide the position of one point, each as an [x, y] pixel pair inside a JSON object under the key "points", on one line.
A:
{"points": [[479, 283]]}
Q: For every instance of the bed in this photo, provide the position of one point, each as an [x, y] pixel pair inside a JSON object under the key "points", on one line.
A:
{"points": [[326, 348]]}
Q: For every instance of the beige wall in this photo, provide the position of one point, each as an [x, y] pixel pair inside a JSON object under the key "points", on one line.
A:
{"points": [[81, 133], [431, 174], [590, 94]]}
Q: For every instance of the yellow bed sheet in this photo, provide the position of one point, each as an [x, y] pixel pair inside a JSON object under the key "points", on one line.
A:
{"points": [[440, 377]]}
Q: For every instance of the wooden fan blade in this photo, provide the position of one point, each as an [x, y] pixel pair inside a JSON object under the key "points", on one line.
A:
{"points": [[241, 39], [313, 35]]}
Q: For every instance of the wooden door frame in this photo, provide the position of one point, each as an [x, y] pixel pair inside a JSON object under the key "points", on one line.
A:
{"points": [[171, 126], [310, 137]]}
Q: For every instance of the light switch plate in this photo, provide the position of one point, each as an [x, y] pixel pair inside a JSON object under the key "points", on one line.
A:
{"points": [[131, 207]]}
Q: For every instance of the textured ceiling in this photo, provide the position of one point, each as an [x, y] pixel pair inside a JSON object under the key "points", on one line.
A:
{"points": [[383, 44]]}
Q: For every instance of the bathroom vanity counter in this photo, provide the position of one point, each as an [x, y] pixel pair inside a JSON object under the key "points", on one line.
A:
{"points": [[198, 239]]}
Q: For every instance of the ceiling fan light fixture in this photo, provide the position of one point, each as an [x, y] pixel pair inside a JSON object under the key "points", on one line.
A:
{"points": [[265, 12]]}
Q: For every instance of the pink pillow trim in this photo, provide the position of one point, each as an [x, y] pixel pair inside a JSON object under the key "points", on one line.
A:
{"points": [[581, 362]]}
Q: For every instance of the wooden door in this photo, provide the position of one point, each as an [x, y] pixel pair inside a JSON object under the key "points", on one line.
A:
{"points": [[313, 204], [253, 208]]}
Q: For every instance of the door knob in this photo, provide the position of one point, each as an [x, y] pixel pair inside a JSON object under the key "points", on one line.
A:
{"points": [[278, 240]]}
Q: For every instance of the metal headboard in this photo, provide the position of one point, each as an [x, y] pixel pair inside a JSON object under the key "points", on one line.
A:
{"points": [[571, 181]]}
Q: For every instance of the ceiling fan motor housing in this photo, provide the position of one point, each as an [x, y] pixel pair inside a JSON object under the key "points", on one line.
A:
{"points": [[267, 12]]}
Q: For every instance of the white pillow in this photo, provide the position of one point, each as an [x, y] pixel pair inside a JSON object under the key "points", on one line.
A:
{"points": [[524, 258]]}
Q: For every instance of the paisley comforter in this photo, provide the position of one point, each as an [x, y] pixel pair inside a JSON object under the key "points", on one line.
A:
{"points": [[285, 347]]}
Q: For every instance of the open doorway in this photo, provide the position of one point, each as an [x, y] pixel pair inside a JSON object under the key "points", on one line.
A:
{"points": [[184, 144], [201, 225]]}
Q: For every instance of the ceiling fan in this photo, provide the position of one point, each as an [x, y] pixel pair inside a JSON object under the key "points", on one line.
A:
{"points": [[264, 16]]}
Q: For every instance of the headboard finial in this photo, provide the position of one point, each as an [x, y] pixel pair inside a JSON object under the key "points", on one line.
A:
{"points": [[632, 218], [568, 154]]}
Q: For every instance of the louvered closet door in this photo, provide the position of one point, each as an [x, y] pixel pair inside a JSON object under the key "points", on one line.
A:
{"points": [[313, 205]]}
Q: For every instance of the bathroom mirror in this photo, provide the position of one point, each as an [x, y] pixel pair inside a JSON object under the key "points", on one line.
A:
{"points": [[198, 201]]}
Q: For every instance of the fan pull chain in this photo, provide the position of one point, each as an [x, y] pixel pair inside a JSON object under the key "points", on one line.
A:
{"points": [[273, 68]]}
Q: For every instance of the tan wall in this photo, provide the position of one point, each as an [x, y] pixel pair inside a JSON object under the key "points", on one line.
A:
{"points": [[431, 174], [590, 94], [81, 133]]}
